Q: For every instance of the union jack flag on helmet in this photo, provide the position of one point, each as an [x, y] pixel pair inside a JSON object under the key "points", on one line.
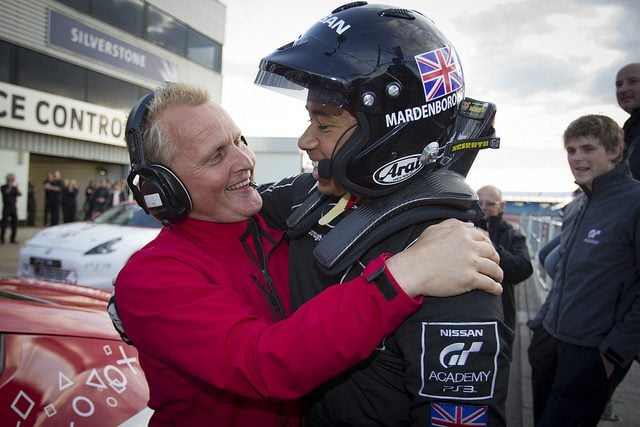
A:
{"points": [[441, 72]]}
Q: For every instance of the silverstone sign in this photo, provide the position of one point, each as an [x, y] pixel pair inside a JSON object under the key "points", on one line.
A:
{"points": [[40, 112], [81, 39]]}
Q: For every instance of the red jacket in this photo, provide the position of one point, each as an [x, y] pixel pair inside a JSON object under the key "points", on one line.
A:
{"points": [[209, 343]]}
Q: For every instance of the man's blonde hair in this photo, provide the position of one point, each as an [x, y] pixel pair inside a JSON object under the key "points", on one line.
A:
{"points": [[157, 149]]}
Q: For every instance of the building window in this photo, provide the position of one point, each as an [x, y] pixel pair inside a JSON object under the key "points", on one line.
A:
{"points": [[81, 5], [204, 51], [165, 31], [128, 15], [109, 92], [5, 62], [41, 72]]}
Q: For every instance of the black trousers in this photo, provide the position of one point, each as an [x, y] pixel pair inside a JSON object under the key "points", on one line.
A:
{"points": [[54, 207], [10, 217], [570, 386]]}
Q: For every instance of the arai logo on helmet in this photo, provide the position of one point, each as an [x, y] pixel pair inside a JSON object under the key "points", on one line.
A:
{"points": [[398, 170]]}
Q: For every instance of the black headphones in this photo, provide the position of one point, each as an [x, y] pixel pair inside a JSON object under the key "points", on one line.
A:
{"points": [[159, 191]]}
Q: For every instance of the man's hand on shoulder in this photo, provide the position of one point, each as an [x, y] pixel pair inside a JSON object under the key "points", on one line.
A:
{"points": [[449, 258]]}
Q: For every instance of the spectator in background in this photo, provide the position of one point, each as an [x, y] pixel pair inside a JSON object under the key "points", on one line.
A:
{"points": [[31, 204], [10, 194], [587, 332], [125, 189], [510, 244], [628, 96], [69, 200], [100, 201], [47, 183], [117, 194], [88, 196], [54, 187]]}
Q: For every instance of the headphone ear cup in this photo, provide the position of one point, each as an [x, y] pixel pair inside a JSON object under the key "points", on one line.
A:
{"points": [[161, 193]]}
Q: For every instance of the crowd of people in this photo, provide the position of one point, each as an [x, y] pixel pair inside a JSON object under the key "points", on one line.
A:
{"points": [[61, 197], [586, 333]]}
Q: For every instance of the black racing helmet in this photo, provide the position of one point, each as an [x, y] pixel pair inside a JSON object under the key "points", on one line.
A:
{"points": [[393, 70]]}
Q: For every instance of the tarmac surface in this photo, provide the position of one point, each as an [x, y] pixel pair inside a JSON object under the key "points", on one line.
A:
{"points": [[529, 296]]}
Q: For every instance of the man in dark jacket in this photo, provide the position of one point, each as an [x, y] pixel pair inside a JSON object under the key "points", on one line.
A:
{"points": [[53, 190], [628, 96], [510, 244], [377, 135], [587, 332], [10, 193]]}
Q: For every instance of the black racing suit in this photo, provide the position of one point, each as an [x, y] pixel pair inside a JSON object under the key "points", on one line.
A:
{"points": [[448, 361]]}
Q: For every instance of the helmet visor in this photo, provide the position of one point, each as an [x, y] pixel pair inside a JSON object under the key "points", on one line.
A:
{"points": [[280, 84], [283, 85]]}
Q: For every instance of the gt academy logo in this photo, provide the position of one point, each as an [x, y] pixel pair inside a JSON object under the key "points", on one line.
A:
{"points": [[459, 360], [398, 170], [455, 354], [593, 236]]}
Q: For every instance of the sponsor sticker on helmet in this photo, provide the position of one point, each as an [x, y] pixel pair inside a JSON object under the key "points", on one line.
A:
{"points": [[422, 112], [398, 170], [336, 24], [459, 360]]}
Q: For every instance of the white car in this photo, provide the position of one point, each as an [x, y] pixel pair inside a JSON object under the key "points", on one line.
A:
{"points": [[89, 253]]}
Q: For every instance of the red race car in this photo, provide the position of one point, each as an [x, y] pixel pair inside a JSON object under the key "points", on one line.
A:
{"points": [[62, 362]]}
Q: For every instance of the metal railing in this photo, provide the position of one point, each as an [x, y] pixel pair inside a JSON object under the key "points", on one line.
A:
{"points": [[538, 231]]}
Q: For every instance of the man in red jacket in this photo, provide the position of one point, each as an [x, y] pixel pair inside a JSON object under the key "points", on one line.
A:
{"points": [[207, 302]]}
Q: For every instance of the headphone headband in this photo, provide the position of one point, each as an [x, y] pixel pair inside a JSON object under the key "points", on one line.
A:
{"points": [[133, 133]]}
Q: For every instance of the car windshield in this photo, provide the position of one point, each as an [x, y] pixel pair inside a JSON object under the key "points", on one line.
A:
{"points": [[128, 214]]}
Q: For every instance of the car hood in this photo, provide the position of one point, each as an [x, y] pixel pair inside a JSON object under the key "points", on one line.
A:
{"points": [[48, 308], [83, 236]]}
